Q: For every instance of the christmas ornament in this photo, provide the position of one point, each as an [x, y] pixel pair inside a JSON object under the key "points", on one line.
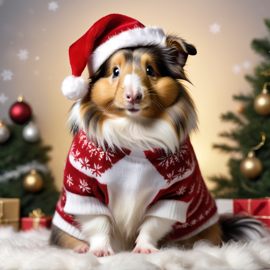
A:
{"points": [[262, 101], [4, 132], [20, 111], [251, 167], [107, 35], [33, 182], [31, 133], [240, 108]]}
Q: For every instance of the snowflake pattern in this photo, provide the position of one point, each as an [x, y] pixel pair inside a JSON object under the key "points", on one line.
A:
{"points": [[191, 189], [92, 152], [181, 158], [185, 225], [84, 186], [84, 163], [201, 217], [76, 155], [173, 158], [193, 222], [23, 54], [53, 6], [96, 170], [214, 28], [170, 176], [181, 190], [7, 75], [69, 180], [3, 98]]}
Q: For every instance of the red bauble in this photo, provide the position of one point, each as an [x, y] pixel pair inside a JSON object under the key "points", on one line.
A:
{"points": [[20, 111]]}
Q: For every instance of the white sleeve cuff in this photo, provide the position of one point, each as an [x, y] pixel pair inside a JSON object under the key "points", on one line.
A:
{"points": [[170, 209], [85, 205]]}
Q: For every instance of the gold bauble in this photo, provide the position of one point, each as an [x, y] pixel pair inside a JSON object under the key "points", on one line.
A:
{"points": [[33, 182], [262, 103], [251, 166]]}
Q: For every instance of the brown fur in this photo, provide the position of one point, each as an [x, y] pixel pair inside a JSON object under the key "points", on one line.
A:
{"points": [[61, 239], [212, 234]]}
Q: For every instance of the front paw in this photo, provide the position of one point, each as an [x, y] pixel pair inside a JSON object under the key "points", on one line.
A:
{"points": [[103, 252], [83, 248], [144, 248], [101, 246]]}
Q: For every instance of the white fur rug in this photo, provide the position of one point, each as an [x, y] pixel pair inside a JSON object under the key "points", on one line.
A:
{"points": [[30, 250]]}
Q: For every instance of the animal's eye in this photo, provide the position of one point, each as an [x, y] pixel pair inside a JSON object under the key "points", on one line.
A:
{"points": [[116, 72], [150, 71]]}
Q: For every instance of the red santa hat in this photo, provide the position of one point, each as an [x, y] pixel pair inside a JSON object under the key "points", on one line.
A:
{"points": [[106, 36]]}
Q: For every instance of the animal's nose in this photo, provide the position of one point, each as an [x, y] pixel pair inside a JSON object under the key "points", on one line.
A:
{"points": [[132, 97]]}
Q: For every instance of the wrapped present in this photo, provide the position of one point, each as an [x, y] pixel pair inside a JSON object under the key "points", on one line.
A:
{"points": [[10, 212], [257, 208], [36, 220]]}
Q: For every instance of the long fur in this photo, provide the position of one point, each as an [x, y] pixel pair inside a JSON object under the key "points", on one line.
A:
{"points": [[167, 117], [141, 132]]}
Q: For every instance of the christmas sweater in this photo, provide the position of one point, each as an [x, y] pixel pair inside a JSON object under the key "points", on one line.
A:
{"points": [[170, 185]]}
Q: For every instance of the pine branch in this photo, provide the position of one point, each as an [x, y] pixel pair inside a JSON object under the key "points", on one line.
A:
{"points": [[243, 97], [267, 23], [261, 46], [230, 135], [232, 117], [226, 148]]}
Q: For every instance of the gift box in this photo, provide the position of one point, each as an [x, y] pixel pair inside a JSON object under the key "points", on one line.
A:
{"points": [[35, 220], [257, 208], [10, 212]]}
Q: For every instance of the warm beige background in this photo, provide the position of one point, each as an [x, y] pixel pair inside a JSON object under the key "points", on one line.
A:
{"points": [[28, 24]]}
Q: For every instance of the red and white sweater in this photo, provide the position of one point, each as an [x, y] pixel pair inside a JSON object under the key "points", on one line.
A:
{"points": [[170, 185]]}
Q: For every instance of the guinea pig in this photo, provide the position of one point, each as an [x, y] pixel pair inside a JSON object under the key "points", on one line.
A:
{"points": [[131, 179]]}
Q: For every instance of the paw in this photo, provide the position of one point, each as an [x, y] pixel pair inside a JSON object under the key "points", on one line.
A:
{"points": [[144, 249], [103, 253], [83, 248]]}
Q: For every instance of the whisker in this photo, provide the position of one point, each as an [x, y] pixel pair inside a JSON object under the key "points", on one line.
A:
{"points": [[110, 104], [156, 94], [152, 110], [158, 104]]}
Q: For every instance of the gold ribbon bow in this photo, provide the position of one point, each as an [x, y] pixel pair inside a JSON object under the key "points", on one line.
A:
{"points": [[36, 215]]}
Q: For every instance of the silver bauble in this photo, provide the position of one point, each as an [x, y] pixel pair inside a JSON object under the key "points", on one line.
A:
{"points": [[4, 132], [31, 133]]}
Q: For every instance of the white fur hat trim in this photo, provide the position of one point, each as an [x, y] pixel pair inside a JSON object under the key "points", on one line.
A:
{"points": [[74, 87], [150, 35]]}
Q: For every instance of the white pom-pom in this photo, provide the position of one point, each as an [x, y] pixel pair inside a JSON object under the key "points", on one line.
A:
{"points": [[74, 87]]}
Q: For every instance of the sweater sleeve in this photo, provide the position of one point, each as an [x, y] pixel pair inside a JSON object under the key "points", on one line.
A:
{"points": [[84, 194], [186, 198]]}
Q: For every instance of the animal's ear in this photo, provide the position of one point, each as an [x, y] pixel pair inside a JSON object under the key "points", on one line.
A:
{"points": [[180, 49]]}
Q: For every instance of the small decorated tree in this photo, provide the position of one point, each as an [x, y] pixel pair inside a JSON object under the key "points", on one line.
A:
{"points": [[23, 159], [249, 175]]}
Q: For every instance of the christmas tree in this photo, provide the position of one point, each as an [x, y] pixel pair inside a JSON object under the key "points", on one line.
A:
{"points": [[23, 159], [247, 179]]}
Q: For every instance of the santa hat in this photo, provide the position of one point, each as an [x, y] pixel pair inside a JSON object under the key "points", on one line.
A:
{"points": [[106, 36]]}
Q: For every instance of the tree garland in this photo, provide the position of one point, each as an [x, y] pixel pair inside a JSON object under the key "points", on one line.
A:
{"points": [[23, 169]]}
